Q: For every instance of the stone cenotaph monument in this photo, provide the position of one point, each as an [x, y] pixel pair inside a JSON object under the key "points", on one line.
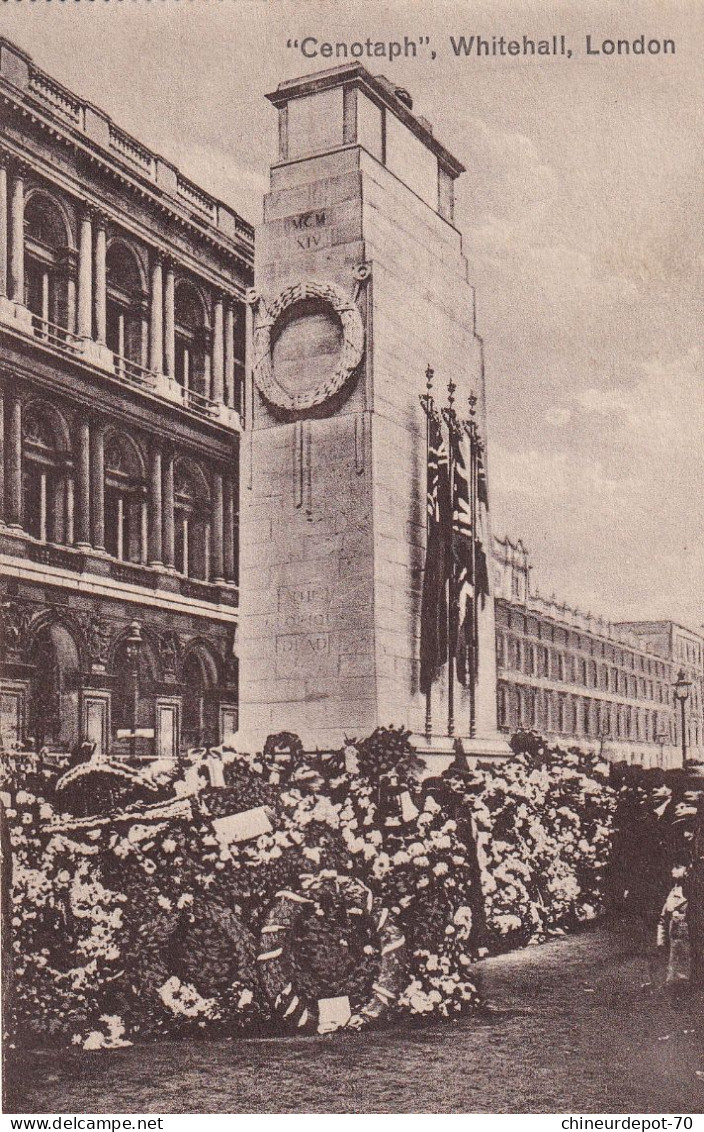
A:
{"points": [[360, 284]]}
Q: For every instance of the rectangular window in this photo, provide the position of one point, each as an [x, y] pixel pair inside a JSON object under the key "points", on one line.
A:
{"points": [[118, 523]]}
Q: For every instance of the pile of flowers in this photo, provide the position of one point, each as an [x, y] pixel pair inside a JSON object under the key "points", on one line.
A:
{"points": [[168, 919], [544, 825]]}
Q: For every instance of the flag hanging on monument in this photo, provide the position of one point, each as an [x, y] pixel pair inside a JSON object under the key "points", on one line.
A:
{"points": [[433, 613], [462, 616], [481, 567], [471, 574]]}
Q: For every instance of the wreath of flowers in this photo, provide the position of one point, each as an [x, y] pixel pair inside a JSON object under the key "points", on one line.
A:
{"points": [[279, 971], [148, 918], [350, 353], [152, 958]]}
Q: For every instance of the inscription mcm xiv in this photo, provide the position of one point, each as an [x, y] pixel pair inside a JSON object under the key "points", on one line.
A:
{"points": [[303, 227]]}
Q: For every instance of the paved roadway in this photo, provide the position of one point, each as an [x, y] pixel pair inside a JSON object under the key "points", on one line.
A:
{"points": [[570, 1031]]}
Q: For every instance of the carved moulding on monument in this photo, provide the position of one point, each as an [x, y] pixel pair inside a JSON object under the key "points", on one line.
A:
{"points": [[308, 341]]}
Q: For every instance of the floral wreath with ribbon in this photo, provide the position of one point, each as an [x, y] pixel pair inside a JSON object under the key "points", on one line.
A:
{"points": [[371, 990]]}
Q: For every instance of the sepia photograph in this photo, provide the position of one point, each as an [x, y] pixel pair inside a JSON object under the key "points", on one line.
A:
{"points": [[351, 560]]}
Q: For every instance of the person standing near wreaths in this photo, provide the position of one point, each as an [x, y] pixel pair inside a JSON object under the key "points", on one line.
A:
{"points": [[673, 934]]}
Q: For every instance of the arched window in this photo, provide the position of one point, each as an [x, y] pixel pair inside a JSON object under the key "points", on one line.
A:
{"points": [[54, 688], [125, 318], [200, 713], [43, 479], [125, 500], [191, 521], [192, 361], [48, 282]]}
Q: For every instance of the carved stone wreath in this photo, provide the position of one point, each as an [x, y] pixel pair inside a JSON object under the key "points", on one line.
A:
{"points": [[266, 317]]}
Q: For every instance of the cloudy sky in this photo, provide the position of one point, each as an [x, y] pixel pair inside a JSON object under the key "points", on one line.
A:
{"points": [[581, 211]]}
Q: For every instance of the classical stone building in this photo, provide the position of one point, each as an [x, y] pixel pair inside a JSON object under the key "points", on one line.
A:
{"points": [[121, 366], [576, 677]]}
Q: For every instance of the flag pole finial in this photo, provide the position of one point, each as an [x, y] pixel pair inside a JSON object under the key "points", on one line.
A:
{"points": [[451, 387], [429, 375]]}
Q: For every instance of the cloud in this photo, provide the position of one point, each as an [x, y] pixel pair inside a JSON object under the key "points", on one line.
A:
{"points": [[610, 505]]}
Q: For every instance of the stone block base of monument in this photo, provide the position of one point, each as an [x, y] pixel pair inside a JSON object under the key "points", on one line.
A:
{"points": [[440, 751]]}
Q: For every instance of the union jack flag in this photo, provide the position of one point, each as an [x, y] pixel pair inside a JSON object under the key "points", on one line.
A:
{"points": [[434, 608], [469, 563]]}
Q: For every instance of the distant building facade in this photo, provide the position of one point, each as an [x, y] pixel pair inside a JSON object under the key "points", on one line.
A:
{"points": [[122, 337], [577, 678]]}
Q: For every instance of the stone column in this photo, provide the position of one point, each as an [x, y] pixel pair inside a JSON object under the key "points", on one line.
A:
{"points": [[156, 321], [84, 326], [97, 486], [216, 531], [144, 340], [155, 507], [68, 265], [207, 376], [229, 530], [3, 225], [17, 236], [218, 362], [168, 510], [68, 515], [144, 531], [13, 464], [82, 501], [57, 523], [169, 321], [100, 278], [229, 355]]}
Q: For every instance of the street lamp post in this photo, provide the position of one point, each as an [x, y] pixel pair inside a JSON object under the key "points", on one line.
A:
{"points": [[682, 687], [133, 645]]}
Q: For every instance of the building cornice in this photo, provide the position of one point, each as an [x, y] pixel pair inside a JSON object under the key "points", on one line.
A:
{"points": [[568, 618], [97, 586], [118, 214], [380, 91], [88, 131]]}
